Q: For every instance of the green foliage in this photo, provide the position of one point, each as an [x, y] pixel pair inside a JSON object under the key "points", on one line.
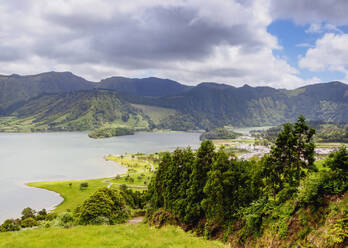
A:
{"points": [[28, 222], [290, 157], [41, 215], [104, 202], [28, 213], [219, 133], [83, 185], [66, 218], [110, 132], [10, 225], [332, 182], [178, 122]]}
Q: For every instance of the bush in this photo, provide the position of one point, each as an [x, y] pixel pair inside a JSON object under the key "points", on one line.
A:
{"points": [[312, 188], [66, 218], [27, 213], [29, 222], [83, 186], [105, 203], [51, 216], [10, 225], [100, 220], [41, 215]]}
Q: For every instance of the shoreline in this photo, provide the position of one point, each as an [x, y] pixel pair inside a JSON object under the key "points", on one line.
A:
{"points": [[63, 199]]}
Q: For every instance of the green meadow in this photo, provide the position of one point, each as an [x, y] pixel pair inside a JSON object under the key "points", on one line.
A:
{"points": [[120, 236]]}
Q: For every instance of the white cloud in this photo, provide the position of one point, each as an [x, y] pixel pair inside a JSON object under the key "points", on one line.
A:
{"points": [[311, 11], [186, 40], [330, 53], [316, 28]]}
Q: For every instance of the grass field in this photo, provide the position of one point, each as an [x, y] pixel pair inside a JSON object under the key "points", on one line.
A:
{"points": [[137, 177], [73, 195], [155, 113], [120, 236]]}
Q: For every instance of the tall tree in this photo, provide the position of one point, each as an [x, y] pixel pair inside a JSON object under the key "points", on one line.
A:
{"points": [[204, 159], [292, 153]]}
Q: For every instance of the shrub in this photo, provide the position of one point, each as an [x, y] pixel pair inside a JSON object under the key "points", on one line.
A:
{"points": [[51, 216], [66, 218], [106, 203], [29, 222], [27, 213], [10, 225], [41, 215], [83, 186], [100, 220]]}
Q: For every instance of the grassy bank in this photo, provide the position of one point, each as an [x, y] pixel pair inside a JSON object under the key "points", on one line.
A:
{"points": [[70, 191], [139, 166], [104, 237]]}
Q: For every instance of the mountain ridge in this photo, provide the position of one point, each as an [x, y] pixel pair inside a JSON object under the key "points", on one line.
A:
{"points": [[205, 106]]}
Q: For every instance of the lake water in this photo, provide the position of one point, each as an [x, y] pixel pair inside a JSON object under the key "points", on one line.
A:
{"points": [[65, 156]]}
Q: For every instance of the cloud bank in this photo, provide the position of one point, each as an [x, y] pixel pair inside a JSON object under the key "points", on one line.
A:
{"points": [[186, 40]]}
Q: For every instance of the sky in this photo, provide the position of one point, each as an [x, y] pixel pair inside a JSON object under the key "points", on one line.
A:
{"points": [[277, 43]]}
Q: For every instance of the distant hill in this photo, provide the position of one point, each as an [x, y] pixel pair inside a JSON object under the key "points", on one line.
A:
{"points": [[151, 86], [48, 98]]}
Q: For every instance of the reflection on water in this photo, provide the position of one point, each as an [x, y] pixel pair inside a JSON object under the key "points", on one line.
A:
{"points": [[64, 156]]}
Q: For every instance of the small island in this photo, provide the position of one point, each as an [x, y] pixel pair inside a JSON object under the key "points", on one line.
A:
{"points": [[219, 133], [110, 132]]}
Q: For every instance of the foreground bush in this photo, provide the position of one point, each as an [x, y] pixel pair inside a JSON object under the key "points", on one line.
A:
{"points": [[106, 203], [29, 222], [10, 225]]}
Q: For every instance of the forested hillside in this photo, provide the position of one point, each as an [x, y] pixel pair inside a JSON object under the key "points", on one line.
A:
{"points": [[165, 104], [284, 199]]}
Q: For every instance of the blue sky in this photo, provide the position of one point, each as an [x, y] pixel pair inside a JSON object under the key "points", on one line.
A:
{"points": [[277, 43], [295, 40]]}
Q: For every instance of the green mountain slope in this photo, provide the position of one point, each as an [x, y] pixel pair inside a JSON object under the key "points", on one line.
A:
{"points": [[214, 105], [162, 103], [82, 110], [151, 86], [15, 89]]}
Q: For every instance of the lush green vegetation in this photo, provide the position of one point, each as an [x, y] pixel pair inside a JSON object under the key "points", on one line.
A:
{"points": [[325, 132], [110, 132], [71, 191], [74, 111], [156, 114], [219, 133], [284, 199], [217, 195], [76, 104], [104, 237]]}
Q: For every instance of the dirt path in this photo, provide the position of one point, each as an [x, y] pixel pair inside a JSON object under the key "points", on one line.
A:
{"points": [[135, 220]]}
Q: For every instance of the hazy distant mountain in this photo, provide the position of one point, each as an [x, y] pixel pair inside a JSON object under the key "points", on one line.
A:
{"points": [[178, 107], [143, 87]]}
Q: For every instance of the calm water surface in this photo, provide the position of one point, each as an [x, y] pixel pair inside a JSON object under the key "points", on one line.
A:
{"points": [[64, 156]]}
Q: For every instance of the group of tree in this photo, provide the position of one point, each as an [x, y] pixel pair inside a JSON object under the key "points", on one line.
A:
{"points": [[29, 218], [209, 190], [325, 132], [219, 133], [104, 207]]}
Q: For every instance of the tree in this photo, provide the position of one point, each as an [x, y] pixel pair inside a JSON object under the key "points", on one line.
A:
{"points": [[10, 225], [292, 153], [213, 203], [28, 222], [27, 213], [195, 194], [106, 203]]}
